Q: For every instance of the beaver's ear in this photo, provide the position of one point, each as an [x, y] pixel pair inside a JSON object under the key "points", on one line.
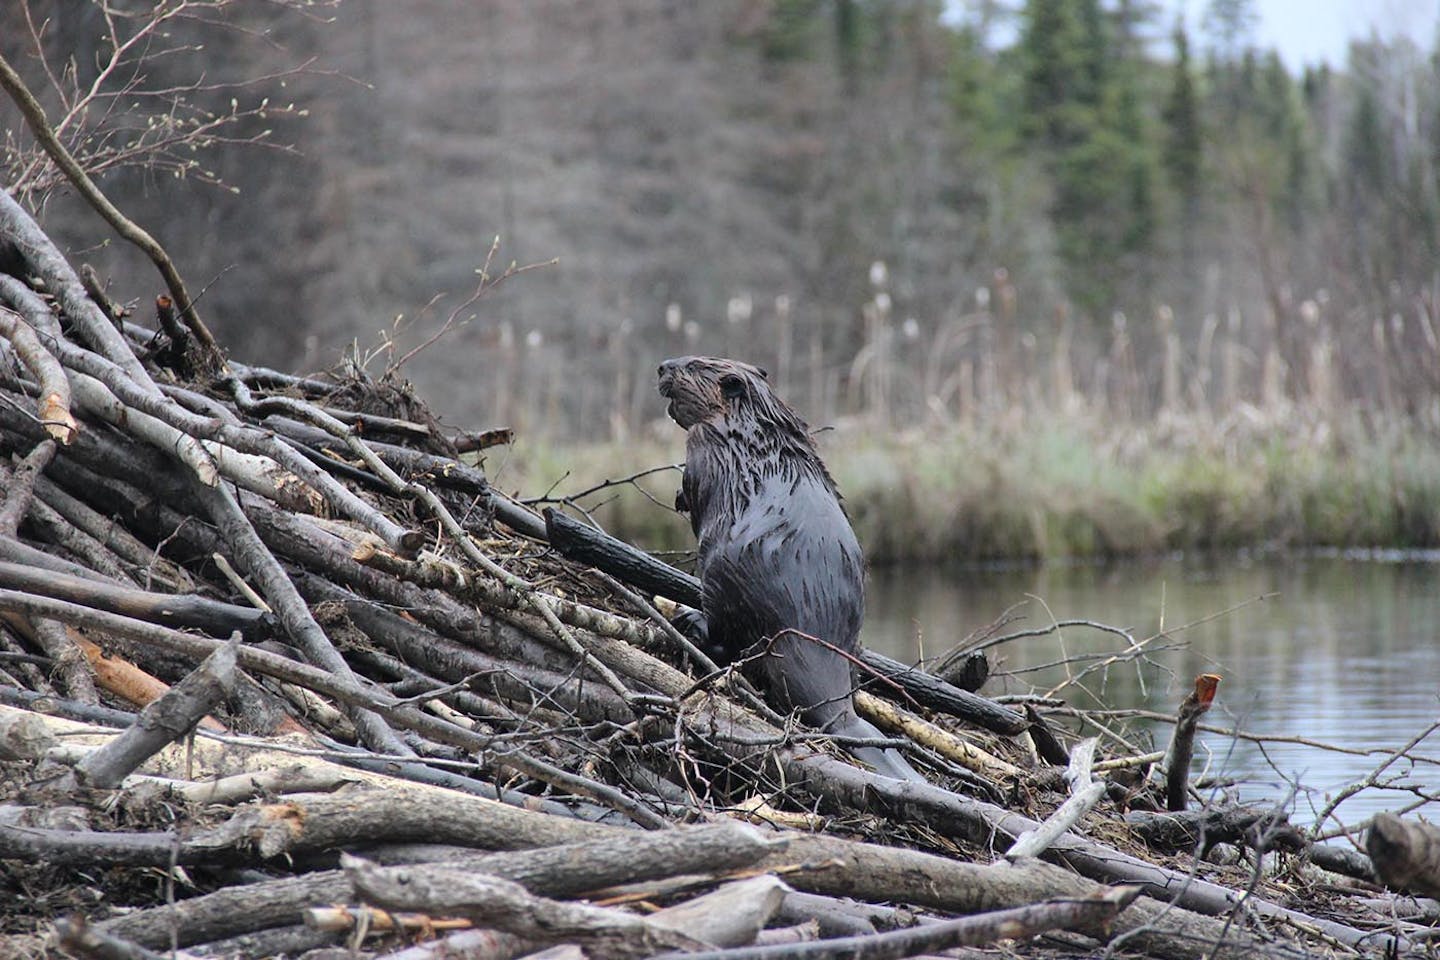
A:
{"points": [[732, 386], [764, 374]]}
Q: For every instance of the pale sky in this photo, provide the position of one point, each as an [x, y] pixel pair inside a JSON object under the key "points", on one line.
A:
{"points": [[1309, 31], [1304, 31]]}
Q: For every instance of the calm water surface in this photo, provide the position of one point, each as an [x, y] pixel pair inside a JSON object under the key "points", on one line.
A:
{"points": [[1343, 651]]}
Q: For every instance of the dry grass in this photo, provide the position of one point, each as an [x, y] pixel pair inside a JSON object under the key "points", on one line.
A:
{"points": [[1063, 486]]}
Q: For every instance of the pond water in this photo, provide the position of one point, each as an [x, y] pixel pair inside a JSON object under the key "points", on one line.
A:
{"points": [[1344, 650]]}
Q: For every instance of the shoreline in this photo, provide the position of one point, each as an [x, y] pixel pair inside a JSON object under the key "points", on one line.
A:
{"points": [[1057, 489]]}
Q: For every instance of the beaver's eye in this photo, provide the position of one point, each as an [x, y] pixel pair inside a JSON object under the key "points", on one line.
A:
{"points": [[732, 386]]}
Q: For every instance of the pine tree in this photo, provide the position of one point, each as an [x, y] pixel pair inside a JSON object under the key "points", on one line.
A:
{"points": [[1083, 110], [1184, 139]]}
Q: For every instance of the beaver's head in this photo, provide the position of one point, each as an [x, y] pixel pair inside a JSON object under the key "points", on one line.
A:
{"points": [[704, 389]]}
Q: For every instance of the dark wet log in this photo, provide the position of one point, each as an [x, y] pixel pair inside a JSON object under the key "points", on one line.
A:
{"points": [[1182, 742], [585, 544], [934, 693], [17, 551], [164, 721], [1196, 831], [148, 565], [70, 709], [174, 610], [1046, 744], [50, 526], [1343, 860], [968, 672], [1406, 854]]}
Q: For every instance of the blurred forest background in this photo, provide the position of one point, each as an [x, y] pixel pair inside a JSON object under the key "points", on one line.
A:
{"points": [[1066, 228]]}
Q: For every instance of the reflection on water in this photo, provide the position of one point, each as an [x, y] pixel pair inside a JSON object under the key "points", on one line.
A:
{"points": [[1341, 651]]}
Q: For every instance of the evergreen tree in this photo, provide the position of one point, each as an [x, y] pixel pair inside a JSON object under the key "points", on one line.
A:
{"points": [[1084, 112], [1184, 140]]}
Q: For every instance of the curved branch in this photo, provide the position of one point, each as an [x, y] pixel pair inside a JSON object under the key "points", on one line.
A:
{"points": [[35, 116]]}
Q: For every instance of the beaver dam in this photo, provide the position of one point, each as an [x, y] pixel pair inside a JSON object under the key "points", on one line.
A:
{"points": [[283, 676]]}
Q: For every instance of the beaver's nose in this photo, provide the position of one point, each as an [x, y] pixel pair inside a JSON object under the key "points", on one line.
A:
{"points": [[670, 366]]}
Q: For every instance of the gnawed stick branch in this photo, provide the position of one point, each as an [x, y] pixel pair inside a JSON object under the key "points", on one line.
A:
{"points": [[1196, 831], [81, 940], [54, 407], [71, 663], [1182, 742], [20, 492], [251, 554], [165, 720]]}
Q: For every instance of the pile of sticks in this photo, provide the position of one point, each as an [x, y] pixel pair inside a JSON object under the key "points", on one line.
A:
{"points": [[282, 673]]}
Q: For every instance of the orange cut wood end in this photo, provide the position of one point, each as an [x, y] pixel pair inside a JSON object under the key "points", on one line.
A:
{"points": [[1205, 687], [55, 414]]}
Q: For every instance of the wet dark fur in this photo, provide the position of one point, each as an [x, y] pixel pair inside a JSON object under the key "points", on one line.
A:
{"points": [[776, 551]]}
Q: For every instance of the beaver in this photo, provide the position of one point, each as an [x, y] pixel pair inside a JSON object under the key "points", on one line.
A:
{"points": [[781, 573]]}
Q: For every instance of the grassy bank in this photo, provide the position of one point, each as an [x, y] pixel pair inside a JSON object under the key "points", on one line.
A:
{"points": [[1067, 487]]}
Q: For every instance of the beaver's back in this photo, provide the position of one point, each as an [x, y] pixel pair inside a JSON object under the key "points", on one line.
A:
{"points": [[788, 567]]}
